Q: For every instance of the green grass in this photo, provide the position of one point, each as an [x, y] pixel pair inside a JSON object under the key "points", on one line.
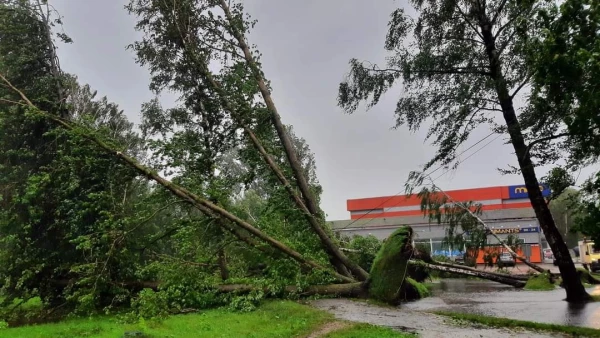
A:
{"points": [[574, 331], [539, 282], [367, 331], [272, 319]]}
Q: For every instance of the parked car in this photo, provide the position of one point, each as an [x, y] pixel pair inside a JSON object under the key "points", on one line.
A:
{"points": [[505, 259]]}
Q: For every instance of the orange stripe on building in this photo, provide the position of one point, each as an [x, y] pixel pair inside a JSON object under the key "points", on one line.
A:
{"points": [[419, 212], [477, 194]]}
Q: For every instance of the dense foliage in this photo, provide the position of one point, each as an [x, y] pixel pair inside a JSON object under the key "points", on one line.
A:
{"points": [[83, 230], [564, 112], [64, 206]]}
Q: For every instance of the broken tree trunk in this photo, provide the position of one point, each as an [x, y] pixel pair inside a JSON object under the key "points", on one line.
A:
{"points": [[199, 203], [504, 279], [336, 257]]}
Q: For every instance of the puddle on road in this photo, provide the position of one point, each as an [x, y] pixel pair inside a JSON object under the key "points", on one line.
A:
{"points": [[493, 299]]}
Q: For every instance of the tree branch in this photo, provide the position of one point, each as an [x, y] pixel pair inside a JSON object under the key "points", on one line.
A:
{"points": [[464, 16], [499, 11], [544, 139], [507, 42], [465, 39], [525, 82], [458, 70]]}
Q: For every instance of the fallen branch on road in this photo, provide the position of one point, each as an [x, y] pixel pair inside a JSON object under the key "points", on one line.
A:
{"points": [[495, 277]]}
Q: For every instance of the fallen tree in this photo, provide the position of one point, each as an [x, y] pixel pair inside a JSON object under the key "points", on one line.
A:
{"points": [[503, 279], [175, 27], [470, 269], [488, 230], [203, 205]]}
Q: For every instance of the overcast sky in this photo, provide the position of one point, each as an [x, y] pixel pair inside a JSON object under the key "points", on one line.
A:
{"points": [[306, 46]]}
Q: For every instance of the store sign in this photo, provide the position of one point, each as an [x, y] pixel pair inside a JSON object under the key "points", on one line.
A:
{"points": [[524, 230], [447, 253], [519, 191]]}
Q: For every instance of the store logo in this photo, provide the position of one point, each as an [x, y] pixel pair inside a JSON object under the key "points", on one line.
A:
{"points": [[523, 190], [520, 191]]}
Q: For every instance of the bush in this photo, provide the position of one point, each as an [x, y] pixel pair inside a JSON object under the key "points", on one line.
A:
{"points": [[367, 248], [151, 304]]}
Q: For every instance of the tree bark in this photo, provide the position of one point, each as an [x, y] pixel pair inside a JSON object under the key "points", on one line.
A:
{"points": [[199, 203], [573, 286], [503, 279], [337, 257]]}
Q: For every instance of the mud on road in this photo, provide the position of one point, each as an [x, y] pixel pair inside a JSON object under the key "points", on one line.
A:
{"points": [[424, 324]]}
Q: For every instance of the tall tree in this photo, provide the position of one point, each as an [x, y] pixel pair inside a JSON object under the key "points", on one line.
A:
{"points": [[26, 150], [465, 62], [183, 41], [63, 206]]}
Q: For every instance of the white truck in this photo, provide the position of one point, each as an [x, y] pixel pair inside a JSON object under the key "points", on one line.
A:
{"points": [[589, 256]]}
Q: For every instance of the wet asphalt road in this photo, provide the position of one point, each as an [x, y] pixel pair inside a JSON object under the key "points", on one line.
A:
{"points": [[471, 296], [426, 325], [493, 299]]}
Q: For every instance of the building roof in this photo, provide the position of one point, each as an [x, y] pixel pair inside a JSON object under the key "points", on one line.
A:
{"points": [[490, 198]]}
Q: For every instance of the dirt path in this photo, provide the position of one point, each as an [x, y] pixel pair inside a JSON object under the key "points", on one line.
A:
{"points": [[328, 328], [426, 325]]}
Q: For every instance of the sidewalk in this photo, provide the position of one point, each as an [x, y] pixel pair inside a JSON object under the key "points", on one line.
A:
{"points": [[521, 268]]}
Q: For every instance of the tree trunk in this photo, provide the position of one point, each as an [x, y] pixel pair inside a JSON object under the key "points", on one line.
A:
{"points": [[203, 205], [573, 286], [503, 279], [223, 264], [337, 257], [466, 268], [338, 290]]}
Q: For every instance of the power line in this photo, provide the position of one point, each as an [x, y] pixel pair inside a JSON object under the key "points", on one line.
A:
{"points": [[427, 175], [466, 158]]}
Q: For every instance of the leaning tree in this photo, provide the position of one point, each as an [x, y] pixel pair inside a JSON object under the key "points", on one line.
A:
{"points": [[462, 64]]}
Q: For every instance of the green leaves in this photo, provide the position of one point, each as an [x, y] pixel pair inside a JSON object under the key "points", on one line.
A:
{"points": [[565, 59], [444, 70]]}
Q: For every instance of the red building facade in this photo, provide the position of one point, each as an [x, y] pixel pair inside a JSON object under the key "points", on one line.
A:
{"points": [[507, 204], [490, 198]]}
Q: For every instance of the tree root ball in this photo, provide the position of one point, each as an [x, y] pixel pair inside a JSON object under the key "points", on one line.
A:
{"points": [[390, 279]]}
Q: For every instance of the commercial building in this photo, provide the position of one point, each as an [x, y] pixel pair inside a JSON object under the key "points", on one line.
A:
{"points": [[505, 209]]}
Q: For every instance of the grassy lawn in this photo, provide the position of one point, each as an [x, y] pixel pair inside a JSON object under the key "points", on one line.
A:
{"points": [[573, 331], [367, 331], [539, 282], [273, 319]]}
